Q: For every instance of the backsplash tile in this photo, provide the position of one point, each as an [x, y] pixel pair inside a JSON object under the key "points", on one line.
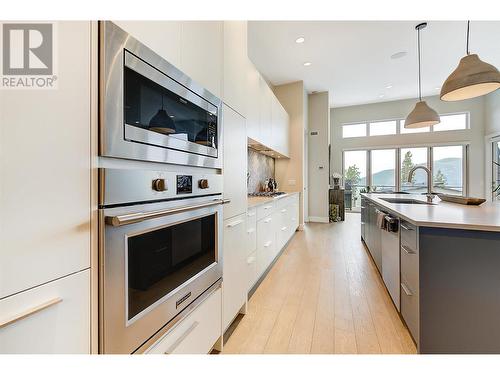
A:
{"points": [[260, 168]]}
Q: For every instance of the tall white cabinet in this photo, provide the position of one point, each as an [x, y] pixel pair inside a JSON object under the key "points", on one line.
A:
{"points": [[45, 206]]}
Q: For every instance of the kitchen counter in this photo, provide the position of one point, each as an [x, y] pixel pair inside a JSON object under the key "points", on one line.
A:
{"points": [[257, 201], [440, 214]]}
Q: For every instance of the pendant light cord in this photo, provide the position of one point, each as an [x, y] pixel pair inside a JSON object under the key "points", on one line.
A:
{"points": [[419, 73], [467, 46]]}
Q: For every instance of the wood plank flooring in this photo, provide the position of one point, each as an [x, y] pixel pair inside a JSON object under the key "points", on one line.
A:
{"points": [[323, 295]]}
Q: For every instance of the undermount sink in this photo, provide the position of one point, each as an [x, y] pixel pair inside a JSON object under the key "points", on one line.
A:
{"points": [[405, 201]]}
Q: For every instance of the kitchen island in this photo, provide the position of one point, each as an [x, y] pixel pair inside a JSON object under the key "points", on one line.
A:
{"points": [[449, 273]]}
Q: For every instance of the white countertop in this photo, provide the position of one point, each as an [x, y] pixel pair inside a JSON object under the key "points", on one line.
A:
{"points": [[441, 214], [257, 201]]}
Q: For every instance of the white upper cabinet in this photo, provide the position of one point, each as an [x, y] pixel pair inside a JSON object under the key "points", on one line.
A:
{"points": [[202, 53], [45, 166], [280, 128], [236, 66], [163, 37], [235, 162], [265, 113], [253, 102]]}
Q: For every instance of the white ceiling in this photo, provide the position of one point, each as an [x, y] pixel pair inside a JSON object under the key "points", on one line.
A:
{"points": [[351, 59]]}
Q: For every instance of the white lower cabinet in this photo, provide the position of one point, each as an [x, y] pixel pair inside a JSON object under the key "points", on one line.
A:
{"points": [[235, 284], [266, 243], [53, 318], [195, 334]]}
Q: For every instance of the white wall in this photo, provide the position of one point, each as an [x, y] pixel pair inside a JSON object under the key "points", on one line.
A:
{"points": [[400, 109], [492, 112], [318, 122]]}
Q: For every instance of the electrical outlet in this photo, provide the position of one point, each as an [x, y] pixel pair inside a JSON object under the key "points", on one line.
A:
{"points": [[292, 182]]}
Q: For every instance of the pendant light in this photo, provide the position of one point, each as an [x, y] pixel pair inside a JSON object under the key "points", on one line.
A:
{"points": [[422, 115], [471, 78]]}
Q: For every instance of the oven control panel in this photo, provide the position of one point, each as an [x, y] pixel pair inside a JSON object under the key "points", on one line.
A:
{"points": [[184, 184], [131, 185]]}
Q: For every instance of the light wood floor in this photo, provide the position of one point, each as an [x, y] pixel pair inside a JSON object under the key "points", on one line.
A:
{"points": [[323, 295]]}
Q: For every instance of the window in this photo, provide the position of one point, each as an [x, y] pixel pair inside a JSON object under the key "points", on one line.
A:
{"points": [[452, 122], [458, 121], [383, 127], [383, 170], [354, 177], [447, 169], [411, 157], [354, 130]]}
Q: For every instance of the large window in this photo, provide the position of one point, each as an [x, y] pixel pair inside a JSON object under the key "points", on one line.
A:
{"points": [[354, 177], [447, 169], [456, 121], [411, 157], [387, 170], [383, 170]]}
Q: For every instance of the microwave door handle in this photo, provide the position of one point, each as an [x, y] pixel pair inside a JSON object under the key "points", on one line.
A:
{"points": [[137, 217]]}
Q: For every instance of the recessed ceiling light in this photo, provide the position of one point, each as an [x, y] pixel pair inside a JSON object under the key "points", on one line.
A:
{"points": [[381, 95], [437, 88], [307, 63], [300, 40], [398, 55], [388, 87]]}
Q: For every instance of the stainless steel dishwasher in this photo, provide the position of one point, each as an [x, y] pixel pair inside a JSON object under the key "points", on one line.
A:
{"points": [[390, 258]]}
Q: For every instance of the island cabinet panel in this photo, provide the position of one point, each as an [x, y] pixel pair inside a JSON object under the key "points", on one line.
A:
{"points": [[459, 291]]}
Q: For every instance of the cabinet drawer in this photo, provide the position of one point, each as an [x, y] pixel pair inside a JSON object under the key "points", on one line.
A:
{"points": [[51, 319], [283, 202], [294, 218], [408, 235], [196, 333], [282, 227], [410, 308], [409, 266], [265, 210], [251, 240]]}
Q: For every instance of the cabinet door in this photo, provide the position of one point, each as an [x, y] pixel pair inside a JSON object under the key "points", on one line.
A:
{"points": [[45, 171], [163, 37], [235, 65], [253, 103], [202, 53], [280, 131], [266, 243], [235, 163], [51, 319], [283, 227], [234, 268], [265, 112]]}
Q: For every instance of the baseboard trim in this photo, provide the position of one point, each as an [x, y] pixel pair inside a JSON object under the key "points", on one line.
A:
{"points": [[318, 219]]}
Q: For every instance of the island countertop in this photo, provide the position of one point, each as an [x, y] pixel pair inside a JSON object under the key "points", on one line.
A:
{"points": [[440, 214]]}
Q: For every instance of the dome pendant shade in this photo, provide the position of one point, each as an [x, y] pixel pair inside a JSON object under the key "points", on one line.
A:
{"points": [[472, 78], [422, 116]]}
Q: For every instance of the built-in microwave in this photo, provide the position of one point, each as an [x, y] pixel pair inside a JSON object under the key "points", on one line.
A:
{"points": [[150, 110]]}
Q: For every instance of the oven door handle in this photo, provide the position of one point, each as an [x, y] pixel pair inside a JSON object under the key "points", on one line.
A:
{"points": [[137, 217]]}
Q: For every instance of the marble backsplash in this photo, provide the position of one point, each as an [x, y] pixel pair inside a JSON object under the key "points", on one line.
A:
{"points": [[260, 168]]}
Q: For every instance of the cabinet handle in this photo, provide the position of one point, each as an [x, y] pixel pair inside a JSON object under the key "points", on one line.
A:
{"points": [[267, 220], [250, 260], [250, 214], [405, 227], [267, 207], [234, 223], [283, 210], [284, 228], [407, 250], [182, 337], [268, 243], [406, 290], [29, 312], [251, 230]]}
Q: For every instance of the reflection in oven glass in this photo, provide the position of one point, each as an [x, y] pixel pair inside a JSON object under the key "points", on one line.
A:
{"points": [[161, 260]]}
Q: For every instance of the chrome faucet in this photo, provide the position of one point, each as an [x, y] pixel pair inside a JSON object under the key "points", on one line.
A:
{"points": [[429, 194]]}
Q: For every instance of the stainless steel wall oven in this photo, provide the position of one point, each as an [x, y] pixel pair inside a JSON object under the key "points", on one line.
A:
{"points": [[161, 237], [150, 110]]}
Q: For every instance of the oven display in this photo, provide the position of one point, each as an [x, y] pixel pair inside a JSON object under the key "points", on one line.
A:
{"points": [[184, 184]]}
